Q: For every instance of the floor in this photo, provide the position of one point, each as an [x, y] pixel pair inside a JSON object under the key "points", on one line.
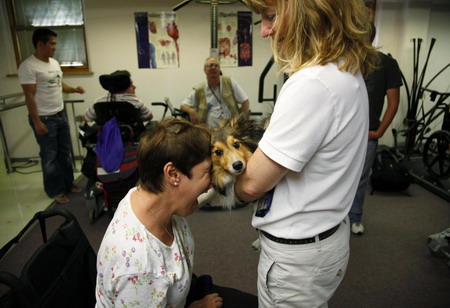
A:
{"points": [[22, 195]]}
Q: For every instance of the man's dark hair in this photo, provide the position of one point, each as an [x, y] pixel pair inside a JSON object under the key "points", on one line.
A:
{"points": [[42, 35]]}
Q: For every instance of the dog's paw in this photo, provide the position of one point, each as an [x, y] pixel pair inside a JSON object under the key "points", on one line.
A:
{"points": [[255, 244]]}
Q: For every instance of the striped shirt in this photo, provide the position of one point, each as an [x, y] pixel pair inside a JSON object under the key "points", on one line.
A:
{"points": [[145, 112]]}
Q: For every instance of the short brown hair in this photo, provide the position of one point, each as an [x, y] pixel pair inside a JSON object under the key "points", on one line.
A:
{"points": [[173, 140]]}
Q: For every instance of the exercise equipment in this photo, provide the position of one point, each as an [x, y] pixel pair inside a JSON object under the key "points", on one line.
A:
{"points": [[426, 151], [214, 14]]}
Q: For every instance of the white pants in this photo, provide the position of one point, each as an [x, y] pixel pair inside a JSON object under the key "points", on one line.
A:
{"points": [[305, 275]]}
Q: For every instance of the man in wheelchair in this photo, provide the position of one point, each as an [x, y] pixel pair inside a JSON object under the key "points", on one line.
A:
{"points": [[105, 188], [120, 102]]}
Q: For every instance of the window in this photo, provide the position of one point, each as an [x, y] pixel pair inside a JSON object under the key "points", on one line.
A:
{"points": [[65, 17]]}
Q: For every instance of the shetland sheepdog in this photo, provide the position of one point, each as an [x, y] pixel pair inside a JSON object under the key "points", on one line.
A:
{"points": [[232, 144]]}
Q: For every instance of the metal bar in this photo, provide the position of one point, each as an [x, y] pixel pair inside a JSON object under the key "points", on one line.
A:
{"points": [[214, 11], [8, 163], [261, 79], [72, 101], [422, 75], [3, 97], [180, 5]]}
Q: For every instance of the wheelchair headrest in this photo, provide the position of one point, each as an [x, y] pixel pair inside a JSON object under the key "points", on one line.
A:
{"points": [[114, 83]]}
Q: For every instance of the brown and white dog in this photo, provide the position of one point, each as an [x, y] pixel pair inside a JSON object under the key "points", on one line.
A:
{"points": [[232, 144]]}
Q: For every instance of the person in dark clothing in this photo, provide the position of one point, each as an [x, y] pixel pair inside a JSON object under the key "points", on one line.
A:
{"points": [[383, 82]]}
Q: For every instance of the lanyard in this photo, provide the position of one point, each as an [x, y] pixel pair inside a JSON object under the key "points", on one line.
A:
{"points": [[217, 98]]}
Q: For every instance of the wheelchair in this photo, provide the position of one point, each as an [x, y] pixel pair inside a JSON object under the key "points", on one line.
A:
{"points": [[104, 190]]}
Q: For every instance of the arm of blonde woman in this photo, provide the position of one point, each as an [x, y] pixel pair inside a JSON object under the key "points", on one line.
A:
{"points": [[260, 176], [209, 301]]}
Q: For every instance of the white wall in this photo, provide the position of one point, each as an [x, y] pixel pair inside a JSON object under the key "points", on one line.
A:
{"points": [[111, 42], [111, 45]]}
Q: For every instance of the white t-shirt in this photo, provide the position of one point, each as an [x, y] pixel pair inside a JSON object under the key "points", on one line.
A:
{"points": [[135, 269], [48, 80], [318, 131], [217, 108]]}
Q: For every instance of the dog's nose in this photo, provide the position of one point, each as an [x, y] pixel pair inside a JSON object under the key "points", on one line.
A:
{"points": [[237, 165]]}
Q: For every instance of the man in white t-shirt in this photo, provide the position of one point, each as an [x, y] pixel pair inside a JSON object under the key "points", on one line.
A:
{"points": [[218, 98], [41, 79]]}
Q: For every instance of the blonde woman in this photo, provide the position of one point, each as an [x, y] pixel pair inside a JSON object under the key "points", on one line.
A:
{"points": [[309, 161]]}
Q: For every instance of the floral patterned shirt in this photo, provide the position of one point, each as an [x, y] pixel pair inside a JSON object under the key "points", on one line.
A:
{"points": [[135, 269]]}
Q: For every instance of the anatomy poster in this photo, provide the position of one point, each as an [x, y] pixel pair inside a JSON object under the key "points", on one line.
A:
{"points": [[157, 40], [234, 33]]}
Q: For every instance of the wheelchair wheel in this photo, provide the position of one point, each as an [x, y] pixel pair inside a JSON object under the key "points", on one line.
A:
{"points": [[436, 154], [96, 207]]}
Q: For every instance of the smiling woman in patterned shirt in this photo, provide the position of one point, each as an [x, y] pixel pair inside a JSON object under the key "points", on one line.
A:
{"points": [[147, 253]]}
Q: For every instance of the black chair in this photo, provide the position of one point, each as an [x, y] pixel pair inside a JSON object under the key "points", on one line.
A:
{"points": [[125, 112], [126, 115], [60, 273]]}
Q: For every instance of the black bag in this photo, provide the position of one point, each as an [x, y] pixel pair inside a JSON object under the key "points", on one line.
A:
{"points": [[388, 174], [60, 273]]}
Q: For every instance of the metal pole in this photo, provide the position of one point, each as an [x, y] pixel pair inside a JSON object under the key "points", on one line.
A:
{"points": [[180, 5], [214, 4]]}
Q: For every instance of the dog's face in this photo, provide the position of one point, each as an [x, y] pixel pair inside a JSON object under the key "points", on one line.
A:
{"points": [[232, 146], [229, 158]]}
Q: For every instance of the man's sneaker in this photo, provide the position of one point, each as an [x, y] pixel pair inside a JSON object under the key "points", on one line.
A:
{"points": [[439, 243], [357, 228]]}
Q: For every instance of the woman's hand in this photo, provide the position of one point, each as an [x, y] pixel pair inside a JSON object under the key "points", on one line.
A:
{"points": [[209, 301]]}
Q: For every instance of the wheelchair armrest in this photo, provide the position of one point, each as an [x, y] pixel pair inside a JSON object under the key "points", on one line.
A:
{"points": [[179, 113], [175, 112], [163, 105], [159, 104]]}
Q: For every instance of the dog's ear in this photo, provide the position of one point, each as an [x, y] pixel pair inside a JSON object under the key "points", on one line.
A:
{"points": [[241, 120], [246, 130]]}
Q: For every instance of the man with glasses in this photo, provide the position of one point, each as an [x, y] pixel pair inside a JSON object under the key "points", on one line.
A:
{"points": [[217, 98]]}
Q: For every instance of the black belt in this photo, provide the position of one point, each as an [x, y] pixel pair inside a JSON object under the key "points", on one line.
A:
{"points": [[310, 240], [58, 114]]}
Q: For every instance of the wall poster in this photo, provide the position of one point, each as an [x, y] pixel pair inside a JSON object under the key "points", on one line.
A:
{"points": [[234, 33], [157, 40]]}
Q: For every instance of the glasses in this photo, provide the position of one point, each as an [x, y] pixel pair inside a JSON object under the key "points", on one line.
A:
{"points": [[211, 65]]}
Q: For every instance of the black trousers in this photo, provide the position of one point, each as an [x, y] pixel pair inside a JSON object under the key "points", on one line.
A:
{"points": [[232, 298]]}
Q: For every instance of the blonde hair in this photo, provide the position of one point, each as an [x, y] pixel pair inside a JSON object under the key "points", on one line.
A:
{"points": [[317, 32]]}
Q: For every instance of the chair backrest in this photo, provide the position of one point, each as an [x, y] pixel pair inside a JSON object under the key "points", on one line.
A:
{"points": [[124, 112], [60, 273]]}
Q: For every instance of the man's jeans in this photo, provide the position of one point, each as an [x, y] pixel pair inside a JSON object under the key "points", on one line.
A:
{"points": [[357, 207], [55, 153]]}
